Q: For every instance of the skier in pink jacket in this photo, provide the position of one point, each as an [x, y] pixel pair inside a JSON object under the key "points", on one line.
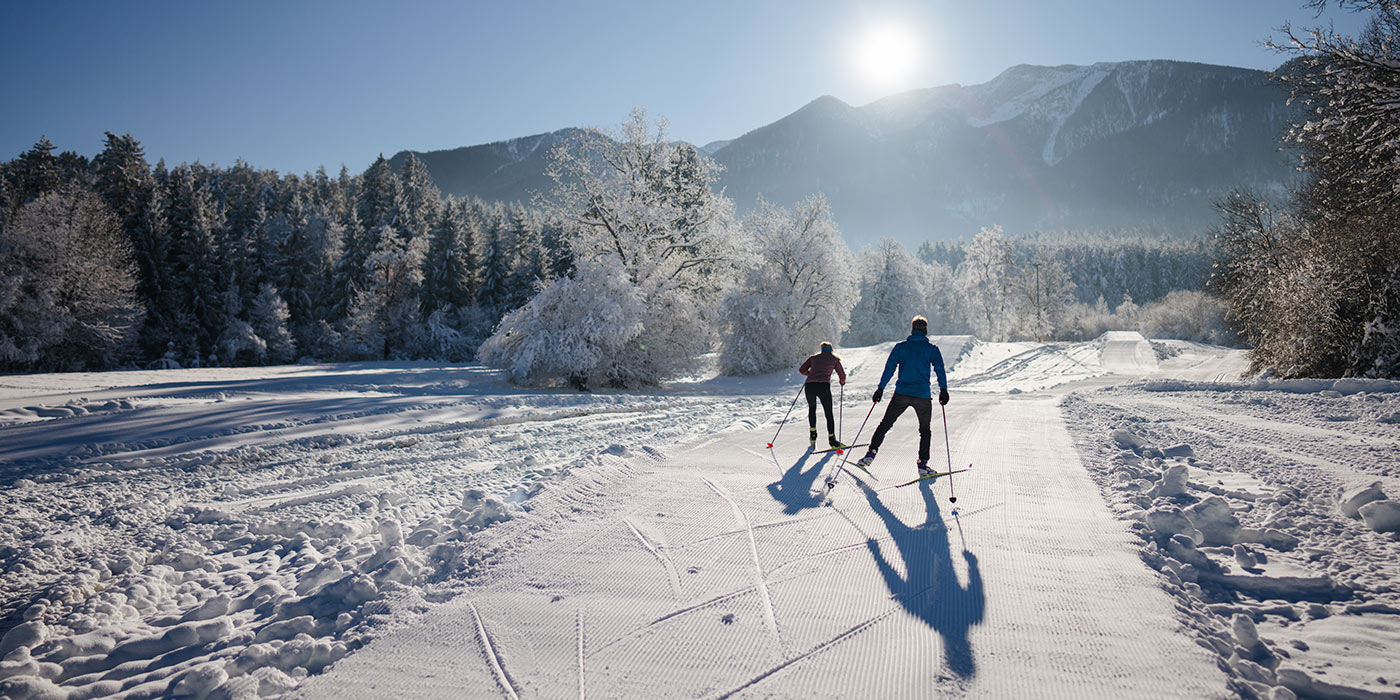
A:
{"points": [[818, 369]]}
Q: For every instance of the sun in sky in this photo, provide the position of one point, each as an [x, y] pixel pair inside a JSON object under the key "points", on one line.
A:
{"points": [[885, 54]]}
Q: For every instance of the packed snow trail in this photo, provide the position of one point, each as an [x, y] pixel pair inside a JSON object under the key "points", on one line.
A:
{"points": [[1028, 588]]}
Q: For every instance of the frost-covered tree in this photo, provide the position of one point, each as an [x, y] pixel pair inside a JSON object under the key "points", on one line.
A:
{"points": [[421, 200], [268, 317], [893, 289], [798, 293], [984, 275], [67, 285], [1043, 294], [644, 205], [385, 320]]}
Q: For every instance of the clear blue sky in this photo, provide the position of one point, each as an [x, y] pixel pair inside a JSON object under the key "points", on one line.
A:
{"points": [[295, 84]]}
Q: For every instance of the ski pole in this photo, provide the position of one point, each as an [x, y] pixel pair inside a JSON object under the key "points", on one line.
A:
{"points": [[951, 497], [846, 454], [841, 413], [785, 416]]}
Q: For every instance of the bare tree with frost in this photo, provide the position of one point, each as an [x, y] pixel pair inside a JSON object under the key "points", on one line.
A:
{"points": [[68, 296], [799, 292]]}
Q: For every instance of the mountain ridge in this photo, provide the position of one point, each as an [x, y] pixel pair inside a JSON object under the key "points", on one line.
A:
{"points": [[1144, 144]]}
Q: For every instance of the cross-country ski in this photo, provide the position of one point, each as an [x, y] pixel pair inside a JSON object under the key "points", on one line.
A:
{"points": [[932, 475]]}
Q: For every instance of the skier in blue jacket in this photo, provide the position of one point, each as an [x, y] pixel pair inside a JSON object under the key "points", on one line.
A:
{"points": [[914, 356]]}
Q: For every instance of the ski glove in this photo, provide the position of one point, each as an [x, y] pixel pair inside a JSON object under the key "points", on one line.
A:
{"points": [[878, 394], [943, 396]]}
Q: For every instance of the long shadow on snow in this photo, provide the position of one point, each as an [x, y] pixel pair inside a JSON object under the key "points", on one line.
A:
{"points": [[930, 590], [794, 490]]}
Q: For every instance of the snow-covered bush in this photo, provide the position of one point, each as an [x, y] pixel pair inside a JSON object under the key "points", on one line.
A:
{"points": [[799, 293], [1186, 315], [577, 329]]}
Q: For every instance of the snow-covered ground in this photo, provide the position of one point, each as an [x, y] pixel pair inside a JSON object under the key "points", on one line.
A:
{"points": [[427, 530]]}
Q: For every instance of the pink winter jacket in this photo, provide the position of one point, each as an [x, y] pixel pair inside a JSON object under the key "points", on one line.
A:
{"points": [[819, 366]]}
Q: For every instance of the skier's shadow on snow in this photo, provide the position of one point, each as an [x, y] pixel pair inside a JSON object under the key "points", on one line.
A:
{"points": [[929, 590], [794, 489]]}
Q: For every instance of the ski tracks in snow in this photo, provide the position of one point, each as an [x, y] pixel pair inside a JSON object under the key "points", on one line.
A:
{"points": [[489, 651], [759, 583], [659, 551]]}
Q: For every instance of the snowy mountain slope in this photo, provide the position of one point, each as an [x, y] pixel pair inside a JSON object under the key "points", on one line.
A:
{"points": [[426, 530], [1134, 144]]}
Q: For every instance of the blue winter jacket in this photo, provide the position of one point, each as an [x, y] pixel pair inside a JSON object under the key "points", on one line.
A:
{"points": [[913, 357]]}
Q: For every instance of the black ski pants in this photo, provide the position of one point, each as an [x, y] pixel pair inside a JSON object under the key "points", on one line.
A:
{"points": [[819, 391], [923, 408]]}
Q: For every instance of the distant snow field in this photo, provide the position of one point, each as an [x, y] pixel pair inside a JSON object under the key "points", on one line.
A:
{"points": [[427, 530]]}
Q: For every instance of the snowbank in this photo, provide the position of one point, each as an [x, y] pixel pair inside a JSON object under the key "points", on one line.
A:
{"points": [[1251, 500]]}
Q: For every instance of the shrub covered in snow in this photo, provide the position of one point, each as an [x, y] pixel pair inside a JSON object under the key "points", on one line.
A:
{"points": [[587, 327], [1187, 315]]}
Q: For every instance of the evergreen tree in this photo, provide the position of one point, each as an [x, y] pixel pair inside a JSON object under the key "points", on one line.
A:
{"points": [[37, 172], [421, 200], [380, 204], [199, 282], [450, 268]]}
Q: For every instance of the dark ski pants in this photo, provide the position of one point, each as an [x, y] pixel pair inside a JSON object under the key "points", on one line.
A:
{"points": [[923, 408], [822, 391]]}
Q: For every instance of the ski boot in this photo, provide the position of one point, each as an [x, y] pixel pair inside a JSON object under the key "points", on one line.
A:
{"points": [[833, 442], [865, 461], [812, 439], [924, 468]]}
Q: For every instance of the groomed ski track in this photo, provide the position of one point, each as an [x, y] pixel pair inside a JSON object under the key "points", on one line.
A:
{"points": [[721, 570]]}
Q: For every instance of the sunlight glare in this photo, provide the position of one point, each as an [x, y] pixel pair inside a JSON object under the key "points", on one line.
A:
{"points": [[886, 54]]}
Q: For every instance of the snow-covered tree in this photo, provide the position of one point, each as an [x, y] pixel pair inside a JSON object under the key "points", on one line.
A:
{"points": [[451, 265], [67, 285], [198, 282], [268, 317], [385, 320], [984, 278], [1043, 294], [644, 205], [893, 289], [799, 292]]}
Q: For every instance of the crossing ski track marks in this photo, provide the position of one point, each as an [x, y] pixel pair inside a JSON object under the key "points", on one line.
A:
{"points": [[1030, 588]]}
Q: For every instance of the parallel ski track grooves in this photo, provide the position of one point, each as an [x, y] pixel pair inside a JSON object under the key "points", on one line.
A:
{"points": [[490, 652], [760, 526], [661, 557], [810, 652], [759, 582], [579, 625]]}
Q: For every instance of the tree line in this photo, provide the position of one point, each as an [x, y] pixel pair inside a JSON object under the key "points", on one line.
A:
{"points": [[113, 262], [627, 273]]}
